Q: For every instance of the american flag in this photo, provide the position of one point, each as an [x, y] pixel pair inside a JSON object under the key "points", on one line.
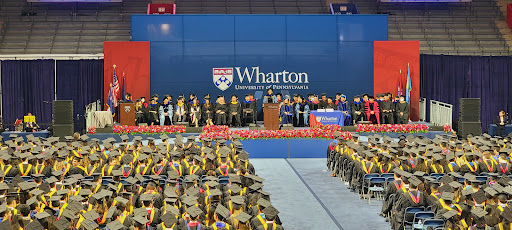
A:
{"points": [[115, 86]]}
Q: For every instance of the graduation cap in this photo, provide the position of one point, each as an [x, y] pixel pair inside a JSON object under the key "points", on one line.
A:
{"points": [[419, 174], [414, 181], [222, 211], [27, 185], [270, 212], [40, 215], [89, 224], [479, 197], [263, 203], [243, 217], [194, 211], [173, 210], [60, 224], [445, 188], [167, 218], [447, 196], [455, 184], [507, 214], [478, 212], [215, 192], [467, 192], [490, 191], [450, 214]]}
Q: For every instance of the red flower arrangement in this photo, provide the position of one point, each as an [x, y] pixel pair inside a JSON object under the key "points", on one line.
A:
{"points": [[316, 132], [91, 130], [409, 128], [447, 128], [172, 129]]}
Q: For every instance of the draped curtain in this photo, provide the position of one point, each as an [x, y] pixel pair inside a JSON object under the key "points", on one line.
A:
{"points": [[27, 87], [449, 78], [82, 82]]}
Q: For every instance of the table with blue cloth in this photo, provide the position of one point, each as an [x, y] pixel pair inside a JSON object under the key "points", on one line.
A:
{"points": [[42, 133], [327, 118], [493, 127]]}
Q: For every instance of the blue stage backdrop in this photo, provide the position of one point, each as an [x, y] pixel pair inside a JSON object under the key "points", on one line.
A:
{"points": [[239, 54]]}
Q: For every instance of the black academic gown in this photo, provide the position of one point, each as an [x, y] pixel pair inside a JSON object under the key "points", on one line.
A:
{"points": [[221, 118], [402, 108], [404, 202]]}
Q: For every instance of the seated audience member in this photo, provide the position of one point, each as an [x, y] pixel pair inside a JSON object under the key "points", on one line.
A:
{"points": [[322, 104], [286, 112], [165, 112], [302, 112], [140, 112], [315, 103], [235, 110], [386, 108], [330, 104], [31, 125], [402, 111], [357, 109], [207, 111], [372, 110], [221, 110], [180, 113]]}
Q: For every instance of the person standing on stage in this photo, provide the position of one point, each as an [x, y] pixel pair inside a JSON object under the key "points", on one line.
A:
{"points": [[402, 111], [302, 112]]}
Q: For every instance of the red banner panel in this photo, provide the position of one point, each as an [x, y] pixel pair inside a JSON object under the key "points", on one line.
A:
{"points": [[389, 57], [509, 15], [132, 59]]}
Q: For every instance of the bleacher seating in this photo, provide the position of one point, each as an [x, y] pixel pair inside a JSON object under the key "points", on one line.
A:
{"points": [[64, 28], [452, 29], [251, 7]]}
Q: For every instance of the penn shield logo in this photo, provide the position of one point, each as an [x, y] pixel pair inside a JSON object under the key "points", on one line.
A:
{"points": [[223, 78]]}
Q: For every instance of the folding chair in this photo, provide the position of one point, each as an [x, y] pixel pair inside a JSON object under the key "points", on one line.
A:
{"points": [[224, 181], [376, 186], [388, 176], [437, 175], [366, 180], [421, 216], [482, 178], [409, 215], [433, 224]]}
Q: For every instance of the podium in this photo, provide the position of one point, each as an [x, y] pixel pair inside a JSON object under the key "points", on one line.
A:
{"points": [[127, 113], [271, 116]]}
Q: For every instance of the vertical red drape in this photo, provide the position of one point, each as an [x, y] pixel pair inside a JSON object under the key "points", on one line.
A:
{"points": [[132, 58], [389, 57]]}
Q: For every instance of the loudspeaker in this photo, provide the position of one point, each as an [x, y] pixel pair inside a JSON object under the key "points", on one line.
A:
{"points": [[469, 110], [62, 130], [63, 112], [466, 128]]}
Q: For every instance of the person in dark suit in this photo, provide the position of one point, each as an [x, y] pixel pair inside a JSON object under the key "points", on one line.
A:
{"points": [[500, 122]]}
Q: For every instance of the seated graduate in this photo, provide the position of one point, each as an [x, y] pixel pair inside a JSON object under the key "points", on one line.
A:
{"points": [[372, 110], [286, 112], [165, 111], [221, 110], [30, 124], [207, 113], [180, 113], [234, 112], [302, 112]]}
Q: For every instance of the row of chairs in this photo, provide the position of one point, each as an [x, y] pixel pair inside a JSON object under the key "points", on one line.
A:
{"points": [[421, 218]]}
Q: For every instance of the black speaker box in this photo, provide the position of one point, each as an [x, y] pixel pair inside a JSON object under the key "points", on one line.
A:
{"points": [[469, 109], [63, 112], [63, 130], [466, 128]]}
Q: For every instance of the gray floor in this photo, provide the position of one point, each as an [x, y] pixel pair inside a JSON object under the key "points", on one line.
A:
{"points": [[308, 198]]}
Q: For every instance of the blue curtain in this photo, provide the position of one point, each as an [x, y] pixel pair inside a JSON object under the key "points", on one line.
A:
{"points": [[82, 82], [449, 78], [27, 87]]}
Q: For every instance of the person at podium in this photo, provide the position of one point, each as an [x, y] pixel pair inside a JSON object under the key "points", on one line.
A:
{"points": [[128, 97], [30, 124], [500, 122], [269, 97], [165, 111]]}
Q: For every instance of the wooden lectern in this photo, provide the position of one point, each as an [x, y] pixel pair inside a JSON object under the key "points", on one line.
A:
{"points": [[127, 113], [271, 116]]}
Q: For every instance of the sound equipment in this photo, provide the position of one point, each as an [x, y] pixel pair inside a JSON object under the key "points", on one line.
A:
{"points": [[63, 112], [469, 110], [63, 130], [194, 129], [466, 128]]}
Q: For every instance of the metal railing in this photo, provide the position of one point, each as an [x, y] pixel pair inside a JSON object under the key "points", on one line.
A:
{"points": [[440, 113]]}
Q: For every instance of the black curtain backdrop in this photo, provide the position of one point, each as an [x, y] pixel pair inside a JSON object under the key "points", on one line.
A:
{"points": [[82, 82], [27, 87], [449, 78]]}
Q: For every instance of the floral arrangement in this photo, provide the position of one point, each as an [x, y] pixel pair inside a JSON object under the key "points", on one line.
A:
{"points": [[408, 128], [91, 130], [447, 128], [315, 132], [156, 129]]}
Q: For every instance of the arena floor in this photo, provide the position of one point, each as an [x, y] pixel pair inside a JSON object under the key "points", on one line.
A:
{"points": [[308, 198]]}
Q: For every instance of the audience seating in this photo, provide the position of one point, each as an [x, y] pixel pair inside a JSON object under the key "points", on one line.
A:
{"points": [[421, 216]]}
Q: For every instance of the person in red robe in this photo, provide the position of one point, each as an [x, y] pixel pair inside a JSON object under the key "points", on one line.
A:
{"points": [[371, 108]]}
